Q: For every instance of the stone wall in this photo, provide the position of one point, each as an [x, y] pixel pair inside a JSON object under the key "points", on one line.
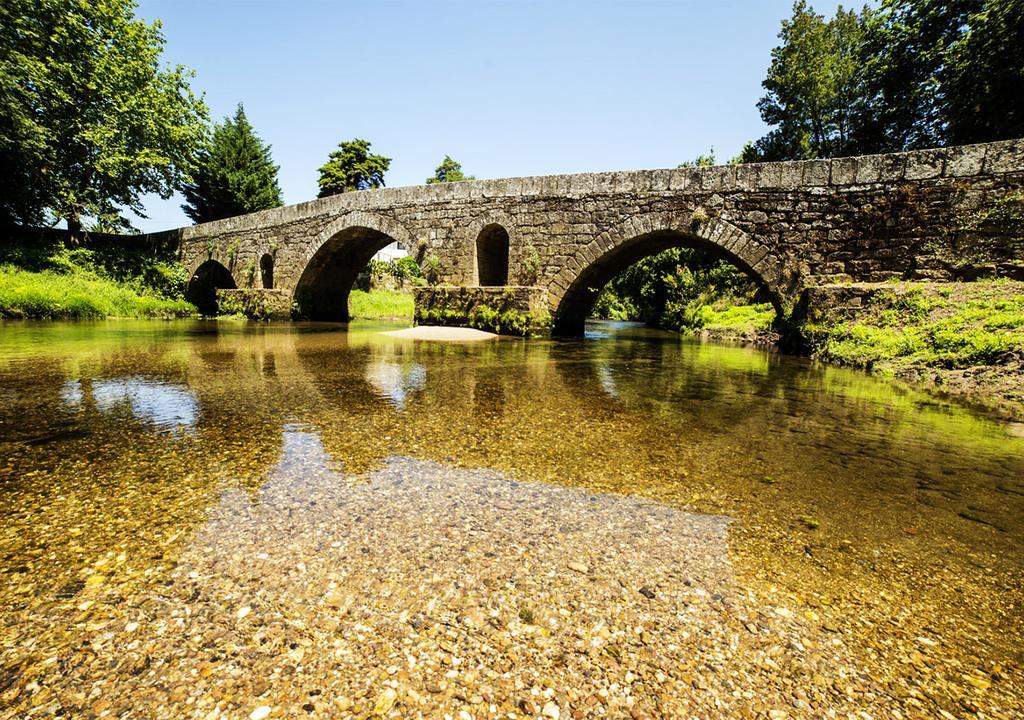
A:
{"points": [[791, 225], [256, 303], [506, 310]]}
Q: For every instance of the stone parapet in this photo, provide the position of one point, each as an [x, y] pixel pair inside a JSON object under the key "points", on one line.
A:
{"points": [[512, 310]]}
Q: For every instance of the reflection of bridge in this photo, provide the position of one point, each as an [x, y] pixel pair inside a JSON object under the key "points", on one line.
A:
{"points": [[790, 225]]}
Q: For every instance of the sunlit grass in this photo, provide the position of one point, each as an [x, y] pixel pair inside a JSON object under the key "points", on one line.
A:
{"points": [[380, 305], [740, 318], [932, 331], [78, 294]]}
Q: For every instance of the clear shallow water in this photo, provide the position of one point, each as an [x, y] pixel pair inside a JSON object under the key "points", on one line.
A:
{"points": [[864, 541]]}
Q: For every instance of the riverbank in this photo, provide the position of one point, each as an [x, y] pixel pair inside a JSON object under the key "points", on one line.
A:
{"points": [[50, 280], [963, 341]]}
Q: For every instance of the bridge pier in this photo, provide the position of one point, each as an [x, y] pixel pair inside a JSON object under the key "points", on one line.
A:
{"points": [[507, 310]]}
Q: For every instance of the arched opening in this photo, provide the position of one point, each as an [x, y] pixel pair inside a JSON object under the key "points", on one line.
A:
{"points": [[322, 291], [492, 256], [267, 271], [579, 299], [206, 280]]}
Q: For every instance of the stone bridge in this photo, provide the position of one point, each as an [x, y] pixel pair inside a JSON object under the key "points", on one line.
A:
{"points": [[552, 242]]}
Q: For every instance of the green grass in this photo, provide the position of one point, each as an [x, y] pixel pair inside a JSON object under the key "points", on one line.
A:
{"points": [[78, 295], [982, 327], [738, 318], [380, 305], [46, 279]]}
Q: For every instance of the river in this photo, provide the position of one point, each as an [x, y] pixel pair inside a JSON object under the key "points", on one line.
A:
{"points": [[228, 520]]}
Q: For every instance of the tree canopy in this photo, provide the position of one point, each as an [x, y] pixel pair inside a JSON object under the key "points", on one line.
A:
{"points": [[907, 74], [234, 173], [352, 167], [89, 119], [449, 171], [811, 85]]}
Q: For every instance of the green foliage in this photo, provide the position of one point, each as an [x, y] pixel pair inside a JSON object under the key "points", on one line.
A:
{"points": [[432, 268], [380, 305], [51, 281], [404, 268], [911, 328], [531, 263], [701, 160], [983, 75], [907, 74], [670, 288], [89, 120], [352, 167], [483, 317], [811, 86], [252, 304], [611, 306], [234, 174], [448, 171]]}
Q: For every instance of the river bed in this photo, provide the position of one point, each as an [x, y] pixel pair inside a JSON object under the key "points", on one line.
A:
{"points": [[298, 520]]}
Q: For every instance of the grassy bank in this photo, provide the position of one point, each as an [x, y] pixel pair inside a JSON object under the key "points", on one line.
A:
{"points": [[380, 305], [53, 281], [963, 340]]}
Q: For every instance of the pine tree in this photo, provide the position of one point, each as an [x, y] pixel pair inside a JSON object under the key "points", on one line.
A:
{"points": [[449, 171], [235, 174]]}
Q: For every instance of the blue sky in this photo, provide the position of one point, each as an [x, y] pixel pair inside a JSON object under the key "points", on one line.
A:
{"points": [[505, 88]]}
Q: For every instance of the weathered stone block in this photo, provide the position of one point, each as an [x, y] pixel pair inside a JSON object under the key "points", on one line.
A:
{"points": [[816, 172], [844, 171], [1004, 157], [965, 161], [924, 165]]}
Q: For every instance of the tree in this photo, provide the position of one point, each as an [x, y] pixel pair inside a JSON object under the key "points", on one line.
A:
{"points": [[983, 76], [89, 120], [906, 45], [708, 160], [234, 173], [449, 171], [352, 167], [811, 85]]}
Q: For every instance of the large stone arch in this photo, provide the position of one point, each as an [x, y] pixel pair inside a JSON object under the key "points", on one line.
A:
{"points": [[574, 289], [336, 256]]}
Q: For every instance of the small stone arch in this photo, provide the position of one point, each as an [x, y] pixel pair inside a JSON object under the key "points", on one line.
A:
{"points": [[202, 287], [335, 258], [574, 290], [267, 271], [492, 246]]}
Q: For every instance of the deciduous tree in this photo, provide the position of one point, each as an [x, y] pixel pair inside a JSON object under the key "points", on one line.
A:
{"points": [[811, 86], [90, 120]]}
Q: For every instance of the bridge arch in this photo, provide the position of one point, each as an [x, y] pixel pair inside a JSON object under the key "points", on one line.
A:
{"points": [[336, 257], [576, 287], [209, 277]]}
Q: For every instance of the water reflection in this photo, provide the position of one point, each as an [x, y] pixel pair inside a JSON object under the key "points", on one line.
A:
{"points": [[885, 515], [396, 382], [162, 405]]}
